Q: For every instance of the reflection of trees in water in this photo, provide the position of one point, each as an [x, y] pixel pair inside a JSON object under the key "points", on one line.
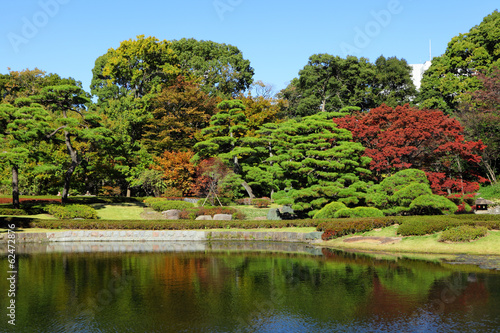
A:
{"points": [[205, 287]]}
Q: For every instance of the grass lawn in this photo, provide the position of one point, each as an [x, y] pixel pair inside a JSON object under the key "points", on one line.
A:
{"points": [[122, 211], [420, 244]]}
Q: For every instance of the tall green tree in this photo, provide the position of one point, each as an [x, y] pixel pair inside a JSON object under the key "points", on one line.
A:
{"points": [[136, 68], [225, 137], [329, 83], [393, 84], [179, 113], [221, 67], [316, 163], [29, 82], [481, 118], [66, 103], [126, 81], [22, 127], [446, 83]]}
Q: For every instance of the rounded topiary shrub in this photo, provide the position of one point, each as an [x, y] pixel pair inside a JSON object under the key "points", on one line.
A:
{"points": [[359, 212], [72, 212], [161, 205], [261, 202], [463, 233], [329, 210], [432, 204], [407, 194]]}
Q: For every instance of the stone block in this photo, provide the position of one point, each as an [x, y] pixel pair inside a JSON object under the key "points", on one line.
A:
{"points": [[273, 214], [171, 214], [223, 217], [204, 218]]}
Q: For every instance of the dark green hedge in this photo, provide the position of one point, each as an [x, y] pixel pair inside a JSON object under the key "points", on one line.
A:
{"points": [[463, 233], [72, 211], [12, 211], [168, 224], [162, 204], [20, 222], [425, 225], [341, 227]]}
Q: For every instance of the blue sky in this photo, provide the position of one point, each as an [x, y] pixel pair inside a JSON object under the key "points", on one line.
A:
{"points": [[278, 37]]}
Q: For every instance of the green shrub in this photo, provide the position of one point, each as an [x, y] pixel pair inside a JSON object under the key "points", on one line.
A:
{"points": [[431, 204], [359, 212], [425, 225], [407, 194], [160, 224], [338, 228], [12, 211], [463, 233], [261, 202], [244, 201], [72, 211], [161, 204], [329, 210], [394, 194], [490, 192]]}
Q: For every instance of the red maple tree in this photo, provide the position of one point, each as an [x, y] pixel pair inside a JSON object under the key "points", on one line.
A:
{"points": [[406, 137]]}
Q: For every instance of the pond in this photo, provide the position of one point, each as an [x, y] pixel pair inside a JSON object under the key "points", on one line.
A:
{"points": [[243, 287]]}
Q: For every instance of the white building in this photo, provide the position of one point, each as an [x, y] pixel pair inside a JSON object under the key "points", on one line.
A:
{"points": [[418, 72]]}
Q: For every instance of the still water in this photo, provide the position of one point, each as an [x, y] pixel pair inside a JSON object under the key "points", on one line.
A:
{"points": [[243, 287]]}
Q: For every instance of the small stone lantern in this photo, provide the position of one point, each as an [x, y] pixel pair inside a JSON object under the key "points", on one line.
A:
{"points": [[482, 204]]}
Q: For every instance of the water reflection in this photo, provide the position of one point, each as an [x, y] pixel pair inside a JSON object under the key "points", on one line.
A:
{"points": [[226, 287]]}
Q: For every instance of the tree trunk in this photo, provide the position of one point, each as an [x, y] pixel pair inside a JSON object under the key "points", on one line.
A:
{"points": [[75, 161], [15, 187], [491, 172], [128, 191], [248, 189]]}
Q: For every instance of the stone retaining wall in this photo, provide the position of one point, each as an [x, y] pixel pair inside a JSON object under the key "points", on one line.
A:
{"points": [[159, 235], [178, 246]]}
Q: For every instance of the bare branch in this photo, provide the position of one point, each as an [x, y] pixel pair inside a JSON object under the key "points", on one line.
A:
{"points": [[55, 131]]}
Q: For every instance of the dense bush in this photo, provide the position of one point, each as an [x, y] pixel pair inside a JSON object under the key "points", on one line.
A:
{"points": [[193, 212], [161, 204], [432, 204], [407, 194], [19, 222], [338, 228], [12, 211], [329, 210], [426, 225], [463, 233], [72, 211], [261, 202], [359, 212], [459, 198], [28, 207], [29, 200], [490, 192], [394, 194], [166, 224], [244, 201]]}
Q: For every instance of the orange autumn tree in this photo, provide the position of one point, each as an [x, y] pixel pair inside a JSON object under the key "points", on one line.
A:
{"points": [[177, 170], [179, 113]]}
